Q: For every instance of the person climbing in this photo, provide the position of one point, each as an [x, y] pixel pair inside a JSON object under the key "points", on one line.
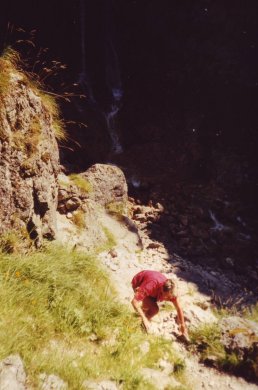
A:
{"points": [[149, 288]]}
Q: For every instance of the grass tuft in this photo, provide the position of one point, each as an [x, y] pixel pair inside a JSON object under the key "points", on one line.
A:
{"points": [[78, 218], [252, 313], [15, 241], [10, 62], [52, 302], [116, 208], [207, 341], [111, 241], [83, 184]]}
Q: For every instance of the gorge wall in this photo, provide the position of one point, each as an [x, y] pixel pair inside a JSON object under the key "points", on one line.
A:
{"points": [[177, 84], [188, 71]]}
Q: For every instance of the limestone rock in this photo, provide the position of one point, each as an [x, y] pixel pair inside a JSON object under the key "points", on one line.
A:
{"points": [[71, 196], [240, 336], [166, 366], [144, 347], [238, 333], [103, 385], [12, 374], [52, 382], [108, 184], [197, 315], [29, 161], [159, 379]]}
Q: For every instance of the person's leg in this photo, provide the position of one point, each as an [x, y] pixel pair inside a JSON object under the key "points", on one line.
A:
{"points": [[150, 307]]}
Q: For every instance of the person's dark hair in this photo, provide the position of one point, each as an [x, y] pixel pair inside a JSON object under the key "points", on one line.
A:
{"points": [[169, 286]]}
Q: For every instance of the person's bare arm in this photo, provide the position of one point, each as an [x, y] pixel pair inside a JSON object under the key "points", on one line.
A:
{"points": [[137, 305], [181, 319]]}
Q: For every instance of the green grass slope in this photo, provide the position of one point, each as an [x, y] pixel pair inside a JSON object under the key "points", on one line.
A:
{"points": [[60, 313]]}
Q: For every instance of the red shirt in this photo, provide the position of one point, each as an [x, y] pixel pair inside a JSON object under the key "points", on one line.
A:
{"points": [[149, 284]]}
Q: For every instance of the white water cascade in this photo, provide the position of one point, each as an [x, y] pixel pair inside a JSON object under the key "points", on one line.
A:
{"points": [[113, 80], [83, 76], [217, 225], [112, 85], [111, 121]]}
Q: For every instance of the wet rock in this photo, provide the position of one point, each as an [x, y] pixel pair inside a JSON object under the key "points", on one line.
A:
{"points": [[12, 374]]}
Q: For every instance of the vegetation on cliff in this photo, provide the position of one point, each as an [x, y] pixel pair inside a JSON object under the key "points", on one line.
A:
{"points": [[11, 64]]}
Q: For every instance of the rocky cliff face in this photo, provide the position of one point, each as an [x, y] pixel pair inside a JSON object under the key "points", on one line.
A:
{"points": [[29, 158]]}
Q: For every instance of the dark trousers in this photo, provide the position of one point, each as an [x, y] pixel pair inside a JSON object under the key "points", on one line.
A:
{"points": [[150, 307]]}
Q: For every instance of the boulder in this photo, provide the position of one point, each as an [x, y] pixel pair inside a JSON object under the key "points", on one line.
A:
{"points": [[108, 184], [87, 203], [240, 336], [102, 183], [52, 382], [12, 374], [29, 161]]}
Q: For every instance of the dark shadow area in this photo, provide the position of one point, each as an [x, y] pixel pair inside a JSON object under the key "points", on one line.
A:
{"points": [[219, 259]]}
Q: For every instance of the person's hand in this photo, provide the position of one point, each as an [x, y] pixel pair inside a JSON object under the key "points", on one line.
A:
{"points": [[184, 332], [147, 325], [183, 329]]}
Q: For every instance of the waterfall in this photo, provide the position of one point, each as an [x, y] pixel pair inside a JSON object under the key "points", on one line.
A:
{"points": [[111, 126], [113, 80], [106, 94], [83, 76], [217, 225]]}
